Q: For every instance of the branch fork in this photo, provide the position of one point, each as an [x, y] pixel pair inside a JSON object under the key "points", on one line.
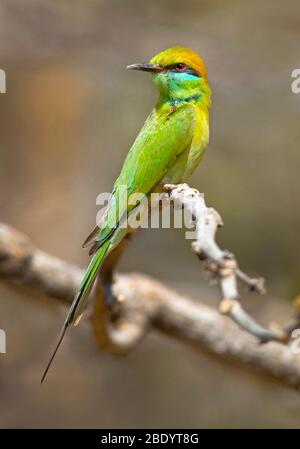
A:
{"points": [[221, 264], [126, 307]]}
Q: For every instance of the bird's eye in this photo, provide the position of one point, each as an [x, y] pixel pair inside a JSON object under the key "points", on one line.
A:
{"points": [[180, 67]]}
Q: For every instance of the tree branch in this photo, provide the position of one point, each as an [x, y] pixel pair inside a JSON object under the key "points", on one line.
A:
{"points": [[145, 303], [221, 264]]}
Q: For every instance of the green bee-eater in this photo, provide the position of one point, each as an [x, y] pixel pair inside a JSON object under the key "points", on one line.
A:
{"points": [[167, 150]]}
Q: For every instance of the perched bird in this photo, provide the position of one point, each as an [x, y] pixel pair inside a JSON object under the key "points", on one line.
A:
{"points": [[167, 150]]}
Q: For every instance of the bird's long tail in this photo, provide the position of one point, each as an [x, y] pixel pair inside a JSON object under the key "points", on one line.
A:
{"points": [[79, 302]]}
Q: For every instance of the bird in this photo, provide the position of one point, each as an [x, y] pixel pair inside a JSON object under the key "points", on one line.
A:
{"points": [[168, 148]]}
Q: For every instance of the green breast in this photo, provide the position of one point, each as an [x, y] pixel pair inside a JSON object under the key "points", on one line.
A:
{"points": [[185, 165]]}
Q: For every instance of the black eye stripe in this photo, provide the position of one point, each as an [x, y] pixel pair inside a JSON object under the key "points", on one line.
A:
{"points": [[193, 72], [173, 68]]}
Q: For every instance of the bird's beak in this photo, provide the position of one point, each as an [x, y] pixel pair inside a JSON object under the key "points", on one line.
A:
{"points": [[154, 68]]}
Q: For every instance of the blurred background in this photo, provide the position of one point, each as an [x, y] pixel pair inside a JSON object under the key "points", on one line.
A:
{"points": [[68, 118]]}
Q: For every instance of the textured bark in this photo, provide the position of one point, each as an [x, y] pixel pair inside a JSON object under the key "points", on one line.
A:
{"points": [[143, 303]]}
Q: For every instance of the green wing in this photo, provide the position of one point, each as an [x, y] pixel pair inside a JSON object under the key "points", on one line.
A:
{"points": [[161, 141], [163, 138]]}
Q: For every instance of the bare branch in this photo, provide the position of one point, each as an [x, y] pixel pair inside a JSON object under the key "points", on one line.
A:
{"points": [[144, 303], [221, 263]]}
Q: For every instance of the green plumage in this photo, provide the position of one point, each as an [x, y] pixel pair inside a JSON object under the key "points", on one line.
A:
{"points": [[167, 149], [164, 137]]}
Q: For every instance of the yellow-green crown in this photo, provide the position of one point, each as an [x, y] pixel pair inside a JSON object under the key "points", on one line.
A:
{"points": [[178, 54]]}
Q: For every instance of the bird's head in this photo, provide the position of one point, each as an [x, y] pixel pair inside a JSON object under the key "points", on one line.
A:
{"points": [[179, 73]]}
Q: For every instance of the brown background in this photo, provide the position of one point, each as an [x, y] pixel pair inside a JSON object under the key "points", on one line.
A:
{"points": [[67, 120]]}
